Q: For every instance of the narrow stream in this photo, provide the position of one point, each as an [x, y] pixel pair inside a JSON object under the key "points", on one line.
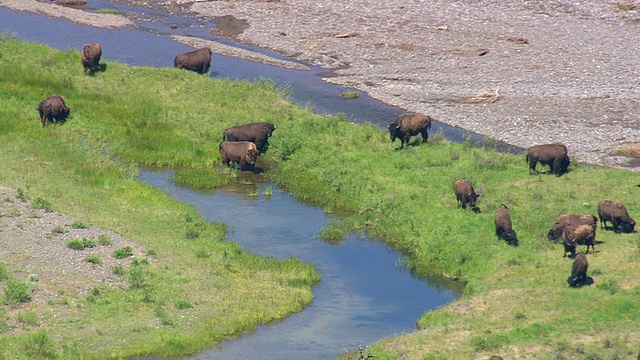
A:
{"points": [[365, 293]]}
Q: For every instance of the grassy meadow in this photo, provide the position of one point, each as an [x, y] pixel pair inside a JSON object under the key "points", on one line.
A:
{"points": [[516, 301]]}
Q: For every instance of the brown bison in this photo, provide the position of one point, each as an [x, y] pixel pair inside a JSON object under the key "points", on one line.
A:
{"points": [[91, 54], [409, 124], [563, 220], [504, 230], [574, 234], [243, 153], [465, 194], [578, 271], [53, 109], [554, 155], [257, 132], [197, 60], [615, 213]]}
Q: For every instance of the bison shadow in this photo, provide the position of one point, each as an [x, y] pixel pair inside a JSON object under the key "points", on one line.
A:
{"points": [[476, 209], [99, 68], [415, 141], [587, 282]]}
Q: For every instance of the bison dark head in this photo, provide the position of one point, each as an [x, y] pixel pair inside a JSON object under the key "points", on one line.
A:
{"points": [[393, 131], [510, 237], [252, 156], [627, 226]]}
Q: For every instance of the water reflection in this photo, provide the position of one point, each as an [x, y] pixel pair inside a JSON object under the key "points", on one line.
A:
{"points": [[364, 294]]}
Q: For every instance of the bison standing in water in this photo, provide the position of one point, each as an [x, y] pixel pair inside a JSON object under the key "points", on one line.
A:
{"points": [[409, 124], [504, 229], [578, 271], [554, 155], [257, 132], [53, 109], [616, 213], [197, 60], [91, 54], [465, 194], [243, 153]]}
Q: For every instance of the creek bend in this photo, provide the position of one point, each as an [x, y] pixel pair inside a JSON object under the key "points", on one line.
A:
{"points": [[365, 293]]}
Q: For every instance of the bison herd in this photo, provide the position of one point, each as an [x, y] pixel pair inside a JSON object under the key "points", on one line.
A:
{"points": [[242, 144]]}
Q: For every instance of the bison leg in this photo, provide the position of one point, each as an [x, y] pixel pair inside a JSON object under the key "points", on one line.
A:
{"points": [[532, 166], [425, 135]]}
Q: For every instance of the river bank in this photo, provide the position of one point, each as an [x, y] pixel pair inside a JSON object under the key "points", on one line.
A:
{"points": [[524, 74]]}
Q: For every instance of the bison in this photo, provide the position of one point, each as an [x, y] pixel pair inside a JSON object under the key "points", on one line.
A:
{"points": [[465, 194], [91, 54], [615, 213], [574, 234], [578, 271], [198, 60], [409, 124], [574, 219], [554, 155], [53, 109], [243, 153], [257, 132], [504, 230]]}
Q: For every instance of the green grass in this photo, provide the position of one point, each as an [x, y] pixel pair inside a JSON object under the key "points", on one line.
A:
{"points": [[515, 299]]}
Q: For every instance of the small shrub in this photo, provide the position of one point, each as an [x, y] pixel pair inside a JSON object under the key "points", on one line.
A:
{"points": [[104, 240], [139, 262], [75, 244], [151, 252], [183, 305], [118, 270], [88, 243], [93, 259], [17, 292], [332, 234], [41, 346], [22, 195], [32, 278], [268, 191], [610, 285], [4, 272], [108, 11], [44, 204], [79, 225], [137, 277], [350, 94], [28, 317], [123, 252], [58, 230]]}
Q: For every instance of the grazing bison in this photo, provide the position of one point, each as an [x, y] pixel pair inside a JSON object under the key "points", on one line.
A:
{"points": [[197, 60], [257, 132], [615, 213], [574, 219], [465, 194], [578, 271], [504, 230], [91, 54], [574, 234], [554, 155], [53, 109], [243, 153], [409, 124]]}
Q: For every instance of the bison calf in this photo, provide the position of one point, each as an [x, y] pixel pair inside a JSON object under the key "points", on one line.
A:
{"points": [[257, 132], [554, 155], [578, 271], [53, 109], [504, 230], [243, 153], [91, 54], [465, 194], [615, 213], [409, 124], [197, 60]]}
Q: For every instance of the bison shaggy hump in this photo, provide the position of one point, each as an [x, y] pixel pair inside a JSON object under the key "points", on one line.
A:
{"points": [[53, 109], [409, 124], [91, 54], [554, 155], [198, 60]]}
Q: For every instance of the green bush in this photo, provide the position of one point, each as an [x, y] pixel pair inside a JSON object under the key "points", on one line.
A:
{"points": [[118, 270], [44, 204], [75, 244], [93, 259], [123, 252], [17, 292], [79, 225], [104, 240]]}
